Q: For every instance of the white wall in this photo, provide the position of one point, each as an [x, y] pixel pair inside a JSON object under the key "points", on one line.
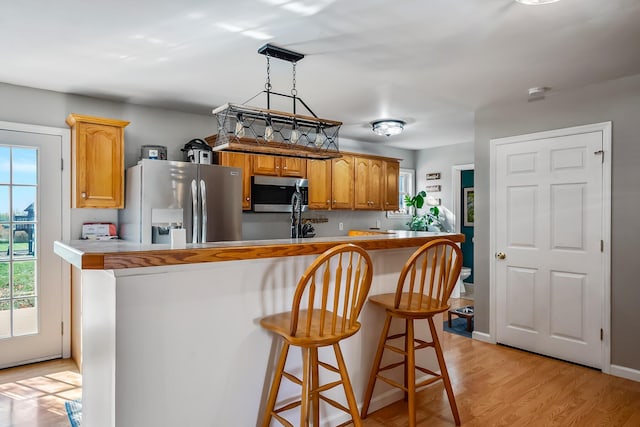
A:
{"points": [[617, 101], [441, 159]]}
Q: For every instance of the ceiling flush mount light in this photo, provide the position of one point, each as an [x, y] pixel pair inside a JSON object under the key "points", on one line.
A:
{"points": [[245, 128], [536, 2], [388, 127]]}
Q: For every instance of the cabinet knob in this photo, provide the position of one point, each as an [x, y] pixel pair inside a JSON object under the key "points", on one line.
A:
{"points": [[335, 201], [328, 201], [83, 195], [248, 199]]}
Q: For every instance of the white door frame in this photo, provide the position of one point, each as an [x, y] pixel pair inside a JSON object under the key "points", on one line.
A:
{"points": [[605, 128], [65, 136]]}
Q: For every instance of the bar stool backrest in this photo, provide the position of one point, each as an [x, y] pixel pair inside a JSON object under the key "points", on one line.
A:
{"points": [[429, 276], [334, 288]]}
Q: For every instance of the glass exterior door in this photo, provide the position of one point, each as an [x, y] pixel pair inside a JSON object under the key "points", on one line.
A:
{"points": [[18, 240], [30, 221]]}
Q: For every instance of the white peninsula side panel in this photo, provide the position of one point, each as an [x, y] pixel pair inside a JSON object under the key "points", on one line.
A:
{"points": [[182, 345]]}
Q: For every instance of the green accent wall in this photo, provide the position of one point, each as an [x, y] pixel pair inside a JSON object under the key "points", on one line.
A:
{"points": [[466, 181]]}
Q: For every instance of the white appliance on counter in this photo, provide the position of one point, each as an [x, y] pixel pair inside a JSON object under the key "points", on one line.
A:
{"points": [[206, 200]]}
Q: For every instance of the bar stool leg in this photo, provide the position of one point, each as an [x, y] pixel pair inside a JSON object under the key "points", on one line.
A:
{"points": [[315, 384], [275, 385], [444, 372], [375, 368], [346, 384], [304, 404], [410, 369]]}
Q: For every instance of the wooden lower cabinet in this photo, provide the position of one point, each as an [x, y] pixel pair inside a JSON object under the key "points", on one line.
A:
{"points": [[242, 161]]}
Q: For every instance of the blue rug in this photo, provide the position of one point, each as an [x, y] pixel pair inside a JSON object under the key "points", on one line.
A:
{"points": [[458, 326], [74, 411]]}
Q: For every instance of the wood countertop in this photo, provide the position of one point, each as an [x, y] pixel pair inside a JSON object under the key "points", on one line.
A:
{"points": [[118, 254]]}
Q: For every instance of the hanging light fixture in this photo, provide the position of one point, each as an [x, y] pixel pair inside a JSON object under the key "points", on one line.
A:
{"points": [[388, 127], [246, 128]]}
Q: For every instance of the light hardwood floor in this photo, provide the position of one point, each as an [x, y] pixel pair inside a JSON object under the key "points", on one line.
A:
{"points": [[494, 386]]}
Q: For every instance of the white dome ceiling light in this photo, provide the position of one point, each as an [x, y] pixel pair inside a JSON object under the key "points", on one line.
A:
{"points": [[388, 127]]}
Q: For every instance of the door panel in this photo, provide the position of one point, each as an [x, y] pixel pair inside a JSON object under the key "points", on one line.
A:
{"points": [[548, 198], [30, 221]]}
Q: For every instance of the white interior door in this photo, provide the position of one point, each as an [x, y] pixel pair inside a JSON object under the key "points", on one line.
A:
{"points": [[30, 273], [548, 237]]}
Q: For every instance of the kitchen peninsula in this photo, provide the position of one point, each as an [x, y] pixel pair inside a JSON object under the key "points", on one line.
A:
{"points": [[171, 336]]}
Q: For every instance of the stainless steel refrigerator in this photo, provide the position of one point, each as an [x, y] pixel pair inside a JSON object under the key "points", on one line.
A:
{"points": [[160, 195]]}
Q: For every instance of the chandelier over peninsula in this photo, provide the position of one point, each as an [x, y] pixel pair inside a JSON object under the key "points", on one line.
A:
{"points": [[247, 128]]}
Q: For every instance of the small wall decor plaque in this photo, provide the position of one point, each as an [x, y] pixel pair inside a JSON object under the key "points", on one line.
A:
{"points": [[433, 188], [433, 201], [434, 175]]}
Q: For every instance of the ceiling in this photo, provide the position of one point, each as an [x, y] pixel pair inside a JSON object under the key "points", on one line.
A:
{"points": [[430, 63]]}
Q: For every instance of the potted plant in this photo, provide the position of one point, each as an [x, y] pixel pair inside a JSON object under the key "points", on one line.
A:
{"points": [[430, 221]]}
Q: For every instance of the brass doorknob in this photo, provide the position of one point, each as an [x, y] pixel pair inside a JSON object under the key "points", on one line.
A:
{"points": [[501, 255]]}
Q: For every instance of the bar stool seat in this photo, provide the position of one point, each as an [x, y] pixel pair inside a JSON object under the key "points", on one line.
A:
{"points": [[325, 309], [424, 286]]}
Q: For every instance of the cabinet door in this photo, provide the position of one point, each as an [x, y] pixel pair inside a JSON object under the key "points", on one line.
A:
{"points": [[319, 176], [375, 184], [361, 196], [98, 166], [242, 161], [293, 167], [342, 170], [368, 184], [391, 195], [265, 165]]}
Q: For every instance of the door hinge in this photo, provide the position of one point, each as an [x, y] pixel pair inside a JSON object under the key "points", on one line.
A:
{"points": [[601, 245], [61, 164], [62, 328], [601, 152], [601, 334]]}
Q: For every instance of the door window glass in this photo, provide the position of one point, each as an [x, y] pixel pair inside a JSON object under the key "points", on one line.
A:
{"points": [[18, 225]]}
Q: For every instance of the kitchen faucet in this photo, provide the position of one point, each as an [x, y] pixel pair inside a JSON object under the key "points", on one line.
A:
{"points": [[296, 213]]}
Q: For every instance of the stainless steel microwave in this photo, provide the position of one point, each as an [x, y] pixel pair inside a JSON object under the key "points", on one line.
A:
{"points": [[273, 194]]}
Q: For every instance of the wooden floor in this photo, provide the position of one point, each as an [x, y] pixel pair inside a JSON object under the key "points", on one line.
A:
{"points": [[494, 386], [34, 395]]}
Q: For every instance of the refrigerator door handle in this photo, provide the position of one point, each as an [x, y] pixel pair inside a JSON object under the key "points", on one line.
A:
{"points": [[194, 202], [203, 195]]}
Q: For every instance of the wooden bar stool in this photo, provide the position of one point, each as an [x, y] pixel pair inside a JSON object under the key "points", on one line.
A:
{"points": [[423, 290], [325, 310]]}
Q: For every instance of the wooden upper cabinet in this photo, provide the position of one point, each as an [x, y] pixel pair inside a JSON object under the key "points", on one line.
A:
{"points": [[279, 166], [319, 176], [293, 167], [97, 157], [368, 183], [391, 171], [242, 161], [342, 170]]}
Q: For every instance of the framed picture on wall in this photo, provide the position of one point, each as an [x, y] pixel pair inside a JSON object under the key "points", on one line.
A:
{"points": [[468, 210]]}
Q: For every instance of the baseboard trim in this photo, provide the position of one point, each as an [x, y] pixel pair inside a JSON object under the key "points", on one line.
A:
{"points": [[482, 336], [623, 372]]}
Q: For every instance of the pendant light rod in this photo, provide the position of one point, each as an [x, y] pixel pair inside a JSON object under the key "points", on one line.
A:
{"points": [[280, 53]]}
